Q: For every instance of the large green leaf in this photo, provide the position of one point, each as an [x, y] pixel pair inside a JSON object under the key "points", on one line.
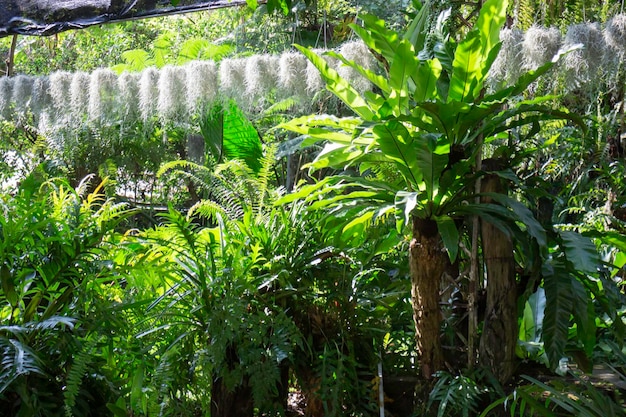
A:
{"points": [[378, 80], [584, 316], [418, 28], [396, 143], [580, 252], [449, 234], [228, 134], [325, 127], [432, 159], [402, 68], [559, 305], [425, 79], [377, 37], [465, 80], [475, 53], [521, 214], [532, 325]]}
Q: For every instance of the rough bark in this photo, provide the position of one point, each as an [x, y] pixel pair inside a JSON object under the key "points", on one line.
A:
{"points": [[235, 402], [500, 330], [428, 262]]}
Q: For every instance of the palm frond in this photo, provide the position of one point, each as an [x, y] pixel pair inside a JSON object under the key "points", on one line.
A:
{"points": [[17, 359]]}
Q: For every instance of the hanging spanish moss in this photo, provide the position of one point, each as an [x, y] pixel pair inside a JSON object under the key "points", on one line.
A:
{"points": [[233, 78], [615, 33], [292, 73], [41, 101], [6, 92], [540, 46], [79, 95], [260, 75], [128, 85], [202, 84], [314, 81], [507, 67], [359, 53], [149, 93], [103, 94], [22, 93], [172, 93], [582, 65], [60, 83]]}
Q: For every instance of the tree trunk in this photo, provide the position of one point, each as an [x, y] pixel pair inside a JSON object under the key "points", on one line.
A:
{"points": [[235, 402], [428, 262], [500, 330], [231, 403]]}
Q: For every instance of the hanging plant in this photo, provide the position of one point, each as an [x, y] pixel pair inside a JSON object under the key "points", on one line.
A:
{"points": [[6, 92], [615, 34], [149, 93], [103, 94], [260, 75], [582, 65], [202, 84], [356, 51], [507, 67], [60, 83], [540, 46], [314, 81], [41, 101], [79, 95], [292, 73], [172, 103], [128, 85], [22, 93], [232, 78]]}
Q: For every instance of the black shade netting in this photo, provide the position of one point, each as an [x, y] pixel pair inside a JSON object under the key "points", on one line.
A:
{"points": [[47, 17]]}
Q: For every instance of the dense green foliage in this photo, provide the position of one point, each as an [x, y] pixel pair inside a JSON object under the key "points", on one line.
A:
{"points": [[190, 267]]}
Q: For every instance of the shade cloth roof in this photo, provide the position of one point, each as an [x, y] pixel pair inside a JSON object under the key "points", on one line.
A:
{"points": [[47, 17]]}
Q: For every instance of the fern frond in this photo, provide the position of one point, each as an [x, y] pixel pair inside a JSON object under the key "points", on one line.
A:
{"points": [[264, 178], [181, 164], [74, 379], [207, 209], [17, 359]]}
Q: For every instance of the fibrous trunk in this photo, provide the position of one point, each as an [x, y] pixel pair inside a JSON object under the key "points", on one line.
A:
{"points": [[428, 262], [500, 331]]}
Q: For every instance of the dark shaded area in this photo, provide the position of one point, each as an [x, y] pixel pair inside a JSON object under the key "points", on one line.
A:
{"points": [[47, 17]]}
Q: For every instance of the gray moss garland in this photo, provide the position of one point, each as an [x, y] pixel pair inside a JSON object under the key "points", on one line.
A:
{"points": [[103, 94], [22, 93], [128, 86], [582, 65], [174, 93], [149, 93], [508, 66], [202, 82], [540, 45], [79, 95]]}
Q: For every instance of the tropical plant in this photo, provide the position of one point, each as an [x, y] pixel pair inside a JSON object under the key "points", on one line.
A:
{"points": [[429, 120], [59, 297], [579, 396]]}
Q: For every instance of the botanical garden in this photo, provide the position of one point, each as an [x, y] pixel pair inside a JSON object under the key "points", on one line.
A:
{"points": [[318, 208]]}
